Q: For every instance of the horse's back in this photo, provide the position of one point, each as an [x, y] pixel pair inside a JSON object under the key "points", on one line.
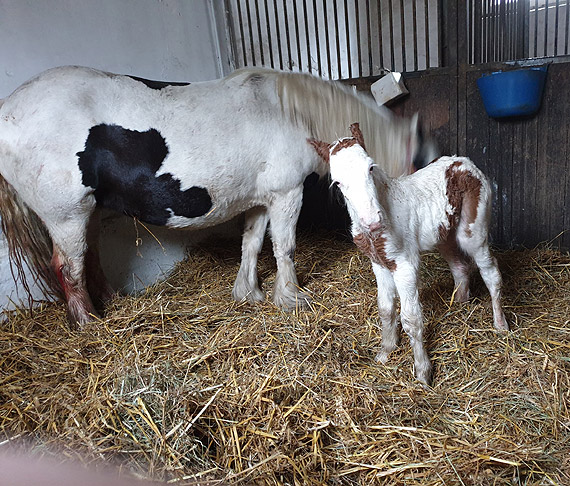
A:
{"points": [[222, 145]]}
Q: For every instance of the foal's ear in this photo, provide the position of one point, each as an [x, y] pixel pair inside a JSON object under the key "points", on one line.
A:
{"points": [[357, 134], [322, 148]]}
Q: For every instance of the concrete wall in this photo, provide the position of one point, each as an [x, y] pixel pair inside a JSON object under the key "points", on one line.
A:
{"points": [[175, 40]]}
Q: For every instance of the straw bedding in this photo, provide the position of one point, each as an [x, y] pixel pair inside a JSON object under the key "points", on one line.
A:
{"points": [[181, 384]]}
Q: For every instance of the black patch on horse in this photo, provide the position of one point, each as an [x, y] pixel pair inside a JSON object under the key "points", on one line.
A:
{"points": [[157, 84], [311, 180], [121, 166]]}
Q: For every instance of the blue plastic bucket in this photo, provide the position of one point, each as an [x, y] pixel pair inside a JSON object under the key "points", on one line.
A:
{"points": [[512, 93]]}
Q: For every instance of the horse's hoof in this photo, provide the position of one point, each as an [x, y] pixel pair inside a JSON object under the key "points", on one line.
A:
{"points": [[77, 321], [248, 294], [290, 301]]}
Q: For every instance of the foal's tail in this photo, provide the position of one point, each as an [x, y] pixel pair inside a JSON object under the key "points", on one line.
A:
{"points": [[29, 243]]}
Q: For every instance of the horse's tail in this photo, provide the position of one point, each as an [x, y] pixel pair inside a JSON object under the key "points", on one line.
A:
{"points": [[29, 243]]}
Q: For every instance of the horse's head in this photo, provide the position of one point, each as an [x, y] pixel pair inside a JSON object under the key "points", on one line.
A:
{"points": [[402, 146], [422, 148], [351, 170]]}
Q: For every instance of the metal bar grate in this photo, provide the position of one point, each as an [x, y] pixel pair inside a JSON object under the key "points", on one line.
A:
{"points": [[336, 39], [509, 30]]}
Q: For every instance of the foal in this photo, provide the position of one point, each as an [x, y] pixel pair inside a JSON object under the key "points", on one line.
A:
{"points": [[446, 206]]}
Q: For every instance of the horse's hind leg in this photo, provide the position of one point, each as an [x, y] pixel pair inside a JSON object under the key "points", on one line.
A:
{"points": [[99, 288], [283, 215], [246, 286], [68, 262]]}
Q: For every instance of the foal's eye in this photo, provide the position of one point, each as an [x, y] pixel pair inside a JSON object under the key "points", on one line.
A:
{"points": [[371, 169]]}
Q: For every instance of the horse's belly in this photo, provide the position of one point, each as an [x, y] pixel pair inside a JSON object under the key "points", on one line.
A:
{"points": [[121, 166]]}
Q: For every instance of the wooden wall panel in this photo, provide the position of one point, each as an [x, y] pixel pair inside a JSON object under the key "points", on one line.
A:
{"points": [[429, 96], [527, 160]]}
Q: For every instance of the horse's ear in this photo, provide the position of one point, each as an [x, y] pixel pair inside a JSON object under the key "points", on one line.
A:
{"points": [[322, 148], [357, 134]]}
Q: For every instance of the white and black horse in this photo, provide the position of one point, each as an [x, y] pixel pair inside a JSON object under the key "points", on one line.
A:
{"points": [[75, 139]]}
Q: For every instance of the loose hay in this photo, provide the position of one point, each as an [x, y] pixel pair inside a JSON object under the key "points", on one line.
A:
{"points": [[184, 384]]}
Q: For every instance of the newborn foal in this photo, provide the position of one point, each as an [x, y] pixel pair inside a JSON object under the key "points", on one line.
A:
{"points": [[446, 206]]}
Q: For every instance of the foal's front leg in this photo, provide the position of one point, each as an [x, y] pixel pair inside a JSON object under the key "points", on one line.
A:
{"points": [[283, 215], [406, 280], [246, 286], [386, 311]]}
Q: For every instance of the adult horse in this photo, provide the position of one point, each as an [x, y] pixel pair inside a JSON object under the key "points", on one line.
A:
{"points": [[75, 139]]}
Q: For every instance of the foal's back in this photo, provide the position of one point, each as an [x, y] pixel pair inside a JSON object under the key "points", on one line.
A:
{"points": [[450, 193]]}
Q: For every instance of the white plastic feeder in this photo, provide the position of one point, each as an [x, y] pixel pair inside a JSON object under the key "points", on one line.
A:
{"points": [[389, 88]]}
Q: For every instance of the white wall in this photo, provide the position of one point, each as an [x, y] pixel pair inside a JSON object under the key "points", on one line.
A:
{"points": [[175, 40], [162, 39]]}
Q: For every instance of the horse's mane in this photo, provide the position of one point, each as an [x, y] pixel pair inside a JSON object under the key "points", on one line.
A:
{"points": [[328, 108]]}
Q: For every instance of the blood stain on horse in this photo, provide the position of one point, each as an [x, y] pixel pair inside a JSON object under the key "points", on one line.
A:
{"points": [[121, 166]]}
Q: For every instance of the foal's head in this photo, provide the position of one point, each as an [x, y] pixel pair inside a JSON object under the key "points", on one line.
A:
{"points": [[351, 170]]}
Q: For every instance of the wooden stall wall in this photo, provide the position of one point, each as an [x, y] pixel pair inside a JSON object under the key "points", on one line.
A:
{"points": [[527, 160]]}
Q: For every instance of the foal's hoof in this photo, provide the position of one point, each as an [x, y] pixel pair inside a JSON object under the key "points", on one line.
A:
{"points": [[501, 324], [462, 296], [382, 356], [425, 376]]}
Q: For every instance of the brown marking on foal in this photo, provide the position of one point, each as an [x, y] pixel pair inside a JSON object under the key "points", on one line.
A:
{"points": [[375, 249], [342, 144], [357, 134], [463, 191]]}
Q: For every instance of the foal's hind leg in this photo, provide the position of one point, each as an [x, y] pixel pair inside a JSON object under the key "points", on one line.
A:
{"points": [[246, 286], [479, 251], [459, 264], [492, 277], [68, 262], [283, 215]]}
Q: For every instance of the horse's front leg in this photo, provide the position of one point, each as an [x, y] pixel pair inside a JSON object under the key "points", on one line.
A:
{"points": [[406, 280], [283, 215], [246, 286]]}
